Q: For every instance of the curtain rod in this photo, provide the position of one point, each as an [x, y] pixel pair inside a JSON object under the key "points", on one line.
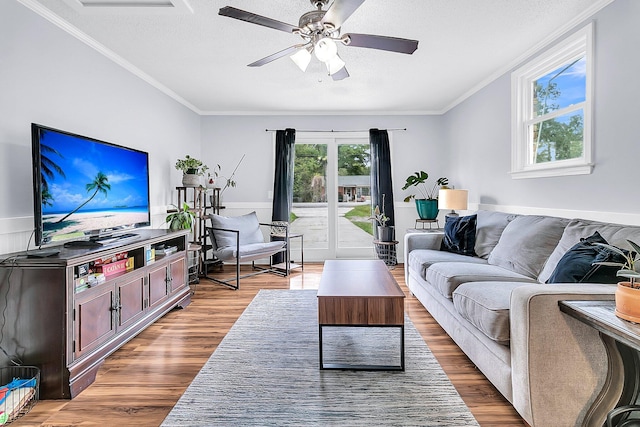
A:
{"points": [[333, 130]]}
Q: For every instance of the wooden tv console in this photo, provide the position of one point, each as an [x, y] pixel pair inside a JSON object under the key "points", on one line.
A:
{"points": [[67, 330]]}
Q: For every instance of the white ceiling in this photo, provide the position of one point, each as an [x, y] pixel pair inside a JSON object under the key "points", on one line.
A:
{"points": [[200, 58]]}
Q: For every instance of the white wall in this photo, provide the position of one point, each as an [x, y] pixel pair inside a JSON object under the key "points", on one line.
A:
{"points": [[226, 138], [479, 134], [49, 77]]}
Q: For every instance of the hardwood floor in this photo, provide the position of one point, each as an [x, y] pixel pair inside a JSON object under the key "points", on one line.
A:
{"points": [[139, 384]]}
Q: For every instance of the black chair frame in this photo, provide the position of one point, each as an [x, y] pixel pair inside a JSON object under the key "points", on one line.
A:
{"points": [[234, 282]]}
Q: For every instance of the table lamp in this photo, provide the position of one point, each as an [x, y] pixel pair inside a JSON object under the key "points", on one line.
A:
{"points": [[452, 199]]}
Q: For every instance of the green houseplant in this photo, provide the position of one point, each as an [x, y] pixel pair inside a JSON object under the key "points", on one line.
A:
{"points": [[426, 199], [385, 233], [180, 218], [627, 295], [192, 169]]}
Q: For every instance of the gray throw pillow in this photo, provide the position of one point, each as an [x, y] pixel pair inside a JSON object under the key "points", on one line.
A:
{"points": [[248, 226], [527, 242], [489, 228]]}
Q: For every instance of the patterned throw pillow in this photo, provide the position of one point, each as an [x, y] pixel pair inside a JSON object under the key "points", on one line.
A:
{"points": [[578, 264], [460, 235]]}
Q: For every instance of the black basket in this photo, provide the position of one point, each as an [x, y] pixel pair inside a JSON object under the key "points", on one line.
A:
{"points": [[20, 390]]}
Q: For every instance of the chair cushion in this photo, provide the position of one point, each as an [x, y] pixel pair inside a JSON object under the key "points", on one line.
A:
{"points": [[421, 259], [447, 276], [247, 225], [486, 306], [459, 234], [489, 228], [250, 251], [527, 242]]}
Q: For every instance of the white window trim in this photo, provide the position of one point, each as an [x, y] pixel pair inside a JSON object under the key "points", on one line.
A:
{"points": [[578, 44]]}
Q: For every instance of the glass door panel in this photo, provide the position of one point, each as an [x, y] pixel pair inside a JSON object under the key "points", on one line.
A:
{"points": [[354, 229], [310, 213]]}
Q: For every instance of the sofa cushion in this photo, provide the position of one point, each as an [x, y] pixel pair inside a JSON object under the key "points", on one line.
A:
{"points": [[486, 306], [247, 225], [578, 264], [615, 234], [447, 276], [489, 228], [527, 242], [421, 259], [459, 234]]}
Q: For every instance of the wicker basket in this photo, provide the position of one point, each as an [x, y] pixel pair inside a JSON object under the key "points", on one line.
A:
{"points": [[19, 391]]}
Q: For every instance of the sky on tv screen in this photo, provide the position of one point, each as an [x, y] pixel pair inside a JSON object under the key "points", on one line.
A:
{"points": [[81, 160]]}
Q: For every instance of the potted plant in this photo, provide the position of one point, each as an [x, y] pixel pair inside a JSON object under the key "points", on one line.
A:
{"points": [[192, 169], [180, 219], [427, 204], [385, 233], [627, 294]]}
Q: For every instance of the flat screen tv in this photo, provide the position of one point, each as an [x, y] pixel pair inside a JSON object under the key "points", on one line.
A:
{"points": [[86, 190]]}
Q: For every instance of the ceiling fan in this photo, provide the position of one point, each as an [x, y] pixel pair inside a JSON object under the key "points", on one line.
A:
{"points": [[320, 31]]}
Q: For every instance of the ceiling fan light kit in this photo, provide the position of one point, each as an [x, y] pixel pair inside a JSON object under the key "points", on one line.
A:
{"points": [[320, 31]]}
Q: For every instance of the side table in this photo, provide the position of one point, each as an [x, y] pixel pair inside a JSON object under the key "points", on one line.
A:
{"points": [[622, 342], [289, 265], [387, 252]]}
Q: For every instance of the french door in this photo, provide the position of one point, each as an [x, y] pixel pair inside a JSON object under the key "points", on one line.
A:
{"points": [[331, 197]]}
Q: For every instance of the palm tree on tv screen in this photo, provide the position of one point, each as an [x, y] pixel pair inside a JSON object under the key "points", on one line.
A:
{"points": [[48, 167], [100, 184]]}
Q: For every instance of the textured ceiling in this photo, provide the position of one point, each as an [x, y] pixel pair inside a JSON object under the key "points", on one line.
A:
{"points": [[200, 58]]}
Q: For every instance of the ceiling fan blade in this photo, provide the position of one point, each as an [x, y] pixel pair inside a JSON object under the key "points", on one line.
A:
{"points": [[275, 56], [339, 75], [371, 41], [340, 11], [242, 15]]}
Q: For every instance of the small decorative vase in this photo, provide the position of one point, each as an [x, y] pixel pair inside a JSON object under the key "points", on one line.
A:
{"points": [[190, 180], [627, 302], [427, 208], [385, 234]]}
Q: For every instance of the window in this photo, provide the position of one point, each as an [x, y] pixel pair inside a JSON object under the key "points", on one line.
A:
{"points": [[551, 120]]}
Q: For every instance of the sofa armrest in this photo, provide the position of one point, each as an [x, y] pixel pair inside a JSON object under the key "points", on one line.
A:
{"points": [[558, 363], [431, 240]]}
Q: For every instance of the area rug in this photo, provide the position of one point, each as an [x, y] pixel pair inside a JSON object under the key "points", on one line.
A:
{"points": [[265, 372]]}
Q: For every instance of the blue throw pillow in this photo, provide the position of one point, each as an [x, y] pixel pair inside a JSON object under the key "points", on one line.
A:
{"points": [[577, 265], [460, 234]]}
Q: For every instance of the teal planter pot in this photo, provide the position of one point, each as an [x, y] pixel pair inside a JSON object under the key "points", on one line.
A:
{"points": [[427, 208]]}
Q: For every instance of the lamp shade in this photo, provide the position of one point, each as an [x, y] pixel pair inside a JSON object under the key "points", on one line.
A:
{"points": [[325, 49], [452, 199], [302, 59]]}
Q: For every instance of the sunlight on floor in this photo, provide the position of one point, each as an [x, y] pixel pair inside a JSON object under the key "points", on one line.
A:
{"points": [[304, 281]]}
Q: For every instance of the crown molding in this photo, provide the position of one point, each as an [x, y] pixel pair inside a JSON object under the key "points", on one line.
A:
{"points": [[94, 44]]}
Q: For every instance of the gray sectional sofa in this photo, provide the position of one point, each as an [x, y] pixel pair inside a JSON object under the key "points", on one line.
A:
{"points": [[498, 308]]}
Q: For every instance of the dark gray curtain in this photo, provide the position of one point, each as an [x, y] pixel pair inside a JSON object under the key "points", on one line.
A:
{"points": [[381, 173], [283, 178]]}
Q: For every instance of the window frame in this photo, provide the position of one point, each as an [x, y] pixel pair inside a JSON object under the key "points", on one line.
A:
{"points": [[573, 47]]}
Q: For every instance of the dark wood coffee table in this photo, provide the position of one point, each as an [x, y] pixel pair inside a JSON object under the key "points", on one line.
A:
{"points": [[360, 293]]}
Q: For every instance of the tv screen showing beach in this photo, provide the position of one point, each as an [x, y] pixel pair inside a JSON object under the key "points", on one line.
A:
{"points": [[88, 186]]}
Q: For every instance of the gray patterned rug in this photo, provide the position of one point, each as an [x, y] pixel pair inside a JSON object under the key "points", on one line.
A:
{"points": [[265, 373]]}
